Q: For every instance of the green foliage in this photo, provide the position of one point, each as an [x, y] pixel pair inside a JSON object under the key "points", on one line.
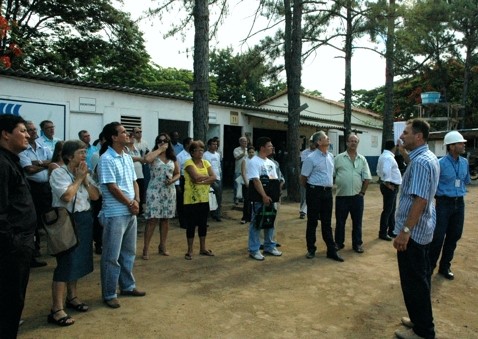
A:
{"points": [[85, 39], [243, 78]]}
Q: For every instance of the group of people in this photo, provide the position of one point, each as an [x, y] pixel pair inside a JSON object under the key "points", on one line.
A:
{"points": [[78, 174], [37, 176]]}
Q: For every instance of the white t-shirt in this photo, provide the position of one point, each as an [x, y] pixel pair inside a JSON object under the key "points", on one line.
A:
{"points": [[257, 167], [215, 161]]}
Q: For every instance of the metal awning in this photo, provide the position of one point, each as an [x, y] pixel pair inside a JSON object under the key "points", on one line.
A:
{"points": [[303, 122]]}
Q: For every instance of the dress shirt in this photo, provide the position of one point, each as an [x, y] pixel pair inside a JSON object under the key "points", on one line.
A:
{"points": [[40, 154], [50, 143], [215, 161], [387, 168], [454, 175], [421, 180], [350, 175], [318, 167]]}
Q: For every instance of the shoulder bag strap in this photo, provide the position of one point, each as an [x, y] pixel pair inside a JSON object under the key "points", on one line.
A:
{"points": [[72, 180]]}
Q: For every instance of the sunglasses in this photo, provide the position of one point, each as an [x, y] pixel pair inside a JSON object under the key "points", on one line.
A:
{"points": [[162, 141]]}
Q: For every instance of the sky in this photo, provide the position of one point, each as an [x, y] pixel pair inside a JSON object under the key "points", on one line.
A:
{"points": [[324, 71]]}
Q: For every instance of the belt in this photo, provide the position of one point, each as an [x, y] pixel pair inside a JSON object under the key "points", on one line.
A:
{"points": [[391, 183], [322, 188], [444, 197]]}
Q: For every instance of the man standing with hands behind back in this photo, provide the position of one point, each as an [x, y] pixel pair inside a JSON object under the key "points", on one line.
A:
{"points": [[352, 176], [414, 226], [17, 224]]}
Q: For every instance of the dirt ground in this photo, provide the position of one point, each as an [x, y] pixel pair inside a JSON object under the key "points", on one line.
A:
{"points": [[232, 296]]}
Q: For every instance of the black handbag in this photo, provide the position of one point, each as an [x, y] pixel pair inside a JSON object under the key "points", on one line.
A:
{"points": [[271, 187], [266, 217]]}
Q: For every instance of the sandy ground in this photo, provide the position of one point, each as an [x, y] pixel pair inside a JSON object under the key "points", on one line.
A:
{"points": [[232, 296]]}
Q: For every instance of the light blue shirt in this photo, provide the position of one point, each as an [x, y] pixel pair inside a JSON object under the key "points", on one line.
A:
{"points": [[40, 154], [118, 169], [89, 153], [454, 175], [420, 180], [50, 143], [318, 167]]}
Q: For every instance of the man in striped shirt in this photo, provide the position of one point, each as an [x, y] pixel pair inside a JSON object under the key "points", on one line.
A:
{"points": [[118, 215], [414, 226]]}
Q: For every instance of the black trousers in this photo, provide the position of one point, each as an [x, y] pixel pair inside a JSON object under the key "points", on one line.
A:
{"points": [[387, 218], [14, 274], [414, 269], [42, 197], [319, 203]]}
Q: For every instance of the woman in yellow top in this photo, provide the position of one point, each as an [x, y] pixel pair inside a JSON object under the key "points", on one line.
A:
{"points": [[198, 176]]}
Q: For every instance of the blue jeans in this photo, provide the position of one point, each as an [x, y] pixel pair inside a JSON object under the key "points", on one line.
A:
{"points": [[119, 251], [254, 233], [448, 230], [414, 269], [343, 206]]}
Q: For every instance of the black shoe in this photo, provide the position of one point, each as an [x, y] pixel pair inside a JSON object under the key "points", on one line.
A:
{"points": [[335, 256], [447, 274], [338, 247], [310, 255], [358, 249], [302, 215], [392, 235], [218, 219], [384, 237], [35, 263]]}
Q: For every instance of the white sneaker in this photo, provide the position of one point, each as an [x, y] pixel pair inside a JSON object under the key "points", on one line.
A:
{"points": [[275, 252], [257, 256]]}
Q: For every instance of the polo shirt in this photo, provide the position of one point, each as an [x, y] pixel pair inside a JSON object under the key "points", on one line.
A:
{"points": [[349, 175]]}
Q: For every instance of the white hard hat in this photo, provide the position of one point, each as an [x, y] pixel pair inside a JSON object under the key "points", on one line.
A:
{"points": [[453, 137]]}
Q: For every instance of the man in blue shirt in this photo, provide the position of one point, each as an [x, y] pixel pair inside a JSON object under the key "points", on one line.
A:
{"points": [[317, 178], [118, 215], [454, 175], [84, 136], [414, 226]]}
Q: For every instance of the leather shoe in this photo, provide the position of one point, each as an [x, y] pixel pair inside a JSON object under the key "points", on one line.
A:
{"points": [[406, 333], [358, 249], [133, 293], [338, 247], [113, 303], [384, 237], [447, 274], [335, 256], [35, 263], [407, 322], [310, 255]]}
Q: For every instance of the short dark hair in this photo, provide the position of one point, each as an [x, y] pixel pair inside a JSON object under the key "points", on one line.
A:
{"points": [[8, 122], [81, 132], [261, 142], [44, 122], [389, 144], [210, 141], [69, 149], [420, 126]]}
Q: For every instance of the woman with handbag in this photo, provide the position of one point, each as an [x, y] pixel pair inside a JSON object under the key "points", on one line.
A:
{"points": [[73, 189], [161, 192], [198, 176]]}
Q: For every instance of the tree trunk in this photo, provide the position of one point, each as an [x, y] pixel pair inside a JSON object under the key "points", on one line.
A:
{"points": [[466, 84], [293, 67], [201, 70], [348, 72], [387, 132]]}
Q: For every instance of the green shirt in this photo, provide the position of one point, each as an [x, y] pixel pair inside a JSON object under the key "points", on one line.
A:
{"points": [[349, 175]]}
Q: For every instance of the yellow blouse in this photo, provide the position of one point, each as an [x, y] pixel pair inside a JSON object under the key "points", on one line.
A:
{"points": [[195, 193]]}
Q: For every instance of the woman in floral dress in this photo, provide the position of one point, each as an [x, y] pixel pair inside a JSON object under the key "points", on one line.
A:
{"points": [[161, 192]]}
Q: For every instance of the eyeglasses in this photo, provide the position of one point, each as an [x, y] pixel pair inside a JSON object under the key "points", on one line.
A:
{"points": [[137, 132], [162, 141]]}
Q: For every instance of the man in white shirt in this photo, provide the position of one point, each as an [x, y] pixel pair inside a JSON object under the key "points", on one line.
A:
{"points": [[257, 167], [240, 153], [214, 159], [390, 180]]}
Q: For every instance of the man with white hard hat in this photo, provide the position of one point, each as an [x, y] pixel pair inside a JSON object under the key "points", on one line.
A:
{"points": [[450, 207]]}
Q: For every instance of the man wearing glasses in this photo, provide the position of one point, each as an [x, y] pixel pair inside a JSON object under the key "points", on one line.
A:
{"points": [[48, 132]]}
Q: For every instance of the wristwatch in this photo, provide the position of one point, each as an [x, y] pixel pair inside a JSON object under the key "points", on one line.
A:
{"points": [[406, 230]]}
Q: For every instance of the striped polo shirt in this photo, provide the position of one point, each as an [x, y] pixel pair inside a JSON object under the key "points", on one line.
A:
{"points": [[118, 169], [421, 180]]}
